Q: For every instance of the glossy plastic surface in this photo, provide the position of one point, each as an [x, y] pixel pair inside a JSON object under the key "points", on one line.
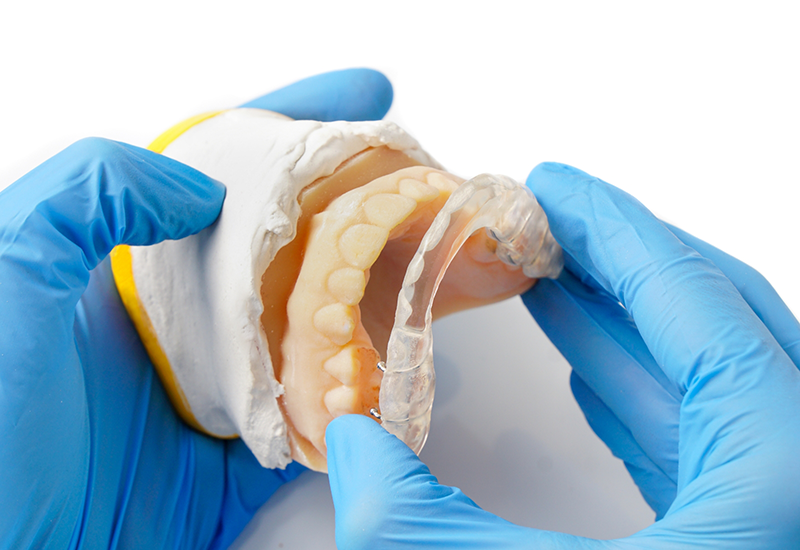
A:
{"points": [[512, 217]]}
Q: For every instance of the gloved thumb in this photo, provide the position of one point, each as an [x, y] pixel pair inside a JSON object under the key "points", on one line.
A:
{"points": [[368, 470], [385, 497]]}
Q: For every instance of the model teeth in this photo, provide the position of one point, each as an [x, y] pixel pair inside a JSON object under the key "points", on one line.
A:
{"points": [[344, 366], [285, 304], [338, 325], [347, 285], [337, 322], [212, 308], [361, 244], [342, 400], [387, 211], [438, 180], [419, 191], [344, 242]]}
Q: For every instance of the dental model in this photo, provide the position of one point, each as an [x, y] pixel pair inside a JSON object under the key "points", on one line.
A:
{"points": [[274, 320]]}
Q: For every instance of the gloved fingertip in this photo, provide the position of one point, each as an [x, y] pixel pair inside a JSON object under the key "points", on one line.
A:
{"points": [[349, 426], [360, 94], [179, 199], [552, 175], [375, 90], [343, 438], [207, 193], [216, 192], [348, 94], [353, 442]]}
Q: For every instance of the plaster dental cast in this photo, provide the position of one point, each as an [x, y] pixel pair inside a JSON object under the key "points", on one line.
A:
{"points": [[274, 321], [94, 454]]}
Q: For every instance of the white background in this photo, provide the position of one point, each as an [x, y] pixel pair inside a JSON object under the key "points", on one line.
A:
{"points": [[692, 107]]}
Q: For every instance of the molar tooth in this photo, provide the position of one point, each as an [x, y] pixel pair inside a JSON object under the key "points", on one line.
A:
{"points": [[385, 210], [337, 322], [440, 181], [347, 285], [420, 192], [344, 366], [361, 244], [341, 400]]}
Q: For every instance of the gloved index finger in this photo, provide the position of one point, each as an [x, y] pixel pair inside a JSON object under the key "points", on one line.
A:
{"points": [[682, 304], [60, 220]]}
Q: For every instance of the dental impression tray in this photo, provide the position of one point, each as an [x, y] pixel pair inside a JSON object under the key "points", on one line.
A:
{"points": [[512, 217]]}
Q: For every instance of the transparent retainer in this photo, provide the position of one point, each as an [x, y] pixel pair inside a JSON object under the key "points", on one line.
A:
{"points": [[514, 219]]}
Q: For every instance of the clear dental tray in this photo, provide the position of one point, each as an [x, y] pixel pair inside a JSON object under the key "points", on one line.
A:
{"points": [[510, 214]]}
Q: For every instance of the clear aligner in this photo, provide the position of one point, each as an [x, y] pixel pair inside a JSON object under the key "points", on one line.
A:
{"points": [[511, 216]]}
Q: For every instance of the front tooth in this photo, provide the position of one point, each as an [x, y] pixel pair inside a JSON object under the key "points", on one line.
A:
{"points": [[341, 400], [414, 189], [344, 366], [347, 285], [337, 322], [361, 244], [388, 210]]}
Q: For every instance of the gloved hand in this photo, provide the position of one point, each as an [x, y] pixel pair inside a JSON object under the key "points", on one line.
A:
{"points": [[692, 381], [92, 454]]}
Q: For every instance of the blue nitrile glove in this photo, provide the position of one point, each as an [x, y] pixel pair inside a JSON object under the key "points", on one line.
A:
{"points": [[92, 454], [692, 381]]}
